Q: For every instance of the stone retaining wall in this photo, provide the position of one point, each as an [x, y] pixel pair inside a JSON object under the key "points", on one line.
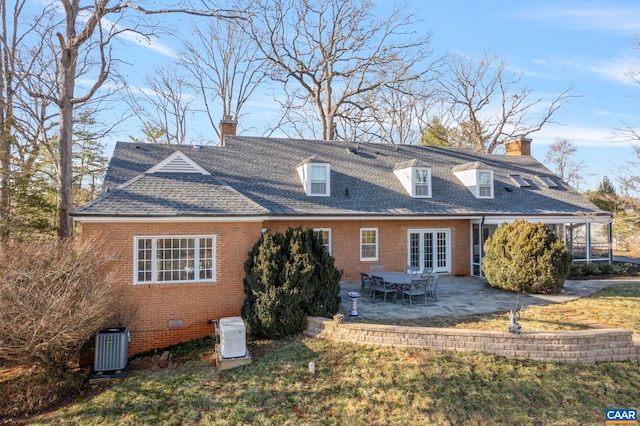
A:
{"points": [[586, 346]]}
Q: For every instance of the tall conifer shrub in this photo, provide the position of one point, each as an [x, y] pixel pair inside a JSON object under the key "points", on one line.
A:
{"points": [[526, 257], [288, 276]]}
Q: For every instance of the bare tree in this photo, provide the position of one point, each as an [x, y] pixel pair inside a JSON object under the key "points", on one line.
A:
{"points": [[394, 115], [560, 157], [329, 54], [489, 104], [10, 80], [163, 105], [84, 39], [224, 62]]}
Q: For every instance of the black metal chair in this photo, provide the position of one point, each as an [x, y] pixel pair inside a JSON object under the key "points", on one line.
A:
{"points": [[367, 284], [376, 268], [379, 286], [413, 270], [417, 288], [432, 286]]}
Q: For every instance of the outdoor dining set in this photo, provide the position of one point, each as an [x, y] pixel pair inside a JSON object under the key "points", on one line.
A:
{"points": [[391, 286]]}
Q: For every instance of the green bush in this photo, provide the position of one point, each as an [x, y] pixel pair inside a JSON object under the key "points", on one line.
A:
{"points": [[576, 270], [600, 268], [526, 257], [606, 268], [288, 276], [622, 268]]}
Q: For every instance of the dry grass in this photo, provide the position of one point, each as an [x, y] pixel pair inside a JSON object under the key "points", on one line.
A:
{"points": [[378, 386]]}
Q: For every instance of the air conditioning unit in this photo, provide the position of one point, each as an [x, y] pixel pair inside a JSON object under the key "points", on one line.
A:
{"points": [[232, 337], [112, 349]]}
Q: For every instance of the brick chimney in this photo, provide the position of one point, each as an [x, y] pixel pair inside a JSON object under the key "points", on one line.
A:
{"points": [[518, 146], [227, 127]]}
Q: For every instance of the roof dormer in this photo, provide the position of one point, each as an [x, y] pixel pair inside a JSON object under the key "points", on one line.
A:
{"points": [[315, 175], [477, 177], [178, 162], [415, 177]]}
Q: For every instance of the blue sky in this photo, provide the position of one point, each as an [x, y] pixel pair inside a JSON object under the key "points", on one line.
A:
{"points": [[554, 44]]}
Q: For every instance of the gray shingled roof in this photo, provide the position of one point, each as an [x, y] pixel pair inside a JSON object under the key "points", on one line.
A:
{"points": [[257, 176]]}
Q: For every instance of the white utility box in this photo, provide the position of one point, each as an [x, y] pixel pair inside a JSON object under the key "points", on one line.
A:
{"points": [[233, 342]]}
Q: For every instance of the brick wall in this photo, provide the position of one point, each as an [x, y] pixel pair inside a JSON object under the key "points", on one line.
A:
{"points": [[193, 304], [392, 242], [588, 346]]}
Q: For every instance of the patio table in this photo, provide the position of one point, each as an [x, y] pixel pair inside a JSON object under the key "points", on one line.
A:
{"points": [[398, 280]]}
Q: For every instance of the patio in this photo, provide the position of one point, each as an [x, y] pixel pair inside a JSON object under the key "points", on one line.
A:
{"points": [[458, 296]]}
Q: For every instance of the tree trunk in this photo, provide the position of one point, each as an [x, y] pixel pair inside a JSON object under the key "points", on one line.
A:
{"points": [[65, 176], [5, 140], [68, 62]]}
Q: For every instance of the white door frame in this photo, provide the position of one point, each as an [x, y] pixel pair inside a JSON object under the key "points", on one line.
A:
{"points": [[434, 231]]}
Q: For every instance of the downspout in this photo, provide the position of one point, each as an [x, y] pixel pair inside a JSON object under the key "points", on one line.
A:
{"points": [[481, 245], [610, 240]]}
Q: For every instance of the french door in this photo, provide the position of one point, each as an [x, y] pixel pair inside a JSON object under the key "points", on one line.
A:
{"points": [[430, 248]]}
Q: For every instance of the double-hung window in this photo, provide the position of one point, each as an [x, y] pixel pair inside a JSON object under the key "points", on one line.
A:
{"points": [[325, 233], [175, 259], [318, 180], [485, 184], [421, 183], [368, 244]]}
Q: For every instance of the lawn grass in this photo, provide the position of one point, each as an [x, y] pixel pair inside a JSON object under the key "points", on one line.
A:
{"points": [[372, 385]]}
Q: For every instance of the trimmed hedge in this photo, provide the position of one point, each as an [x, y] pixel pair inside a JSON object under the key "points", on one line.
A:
{"points": [[288, 276], [526, 257]]}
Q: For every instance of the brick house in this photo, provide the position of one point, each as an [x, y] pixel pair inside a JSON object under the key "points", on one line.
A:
{"points": [[181, 219]]}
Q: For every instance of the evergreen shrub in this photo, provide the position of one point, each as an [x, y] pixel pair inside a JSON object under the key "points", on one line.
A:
{"points": [[526, 257], [288, 276]]}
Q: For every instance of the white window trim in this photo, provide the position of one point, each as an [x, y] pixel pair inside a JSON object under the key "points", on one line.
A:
{"points": [[305, 176], [154, 239], [414, 182], [478, 183], [367, 259], [326, 243]]}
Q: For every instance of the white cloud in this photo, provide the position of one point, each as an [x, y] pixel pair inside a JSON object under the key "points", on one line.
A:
{"points": [[149, 43], [583, 17], [579, 135], [616, 70]]}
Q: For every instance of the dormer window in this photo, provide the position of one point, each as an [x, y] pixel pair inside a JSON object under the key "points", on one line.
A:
{"points": [[415, 178], [485, 184], [477, 177], [318, 180], [315, 177], [421, 183]]}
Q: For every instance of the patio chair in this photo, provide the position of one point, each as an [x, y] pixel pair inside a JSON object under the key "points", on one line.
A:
{"points": [[379, 286], [413, 270], [417, 288], [432, 285], [376, 268], [367, 284], [426, 272]]}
